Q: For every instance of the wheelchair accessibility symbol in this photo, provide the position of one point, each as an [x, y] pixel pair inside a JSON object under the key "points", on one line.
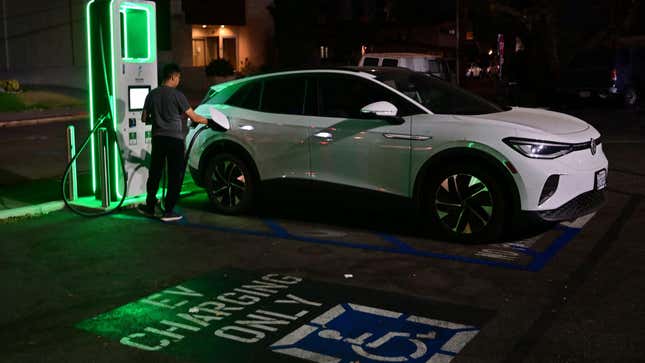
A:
{"points": [[355, 333]]}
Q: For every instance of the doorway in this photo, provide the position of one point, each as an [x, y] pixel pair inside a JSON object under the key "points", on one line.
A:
{"points": [[199, 52]]}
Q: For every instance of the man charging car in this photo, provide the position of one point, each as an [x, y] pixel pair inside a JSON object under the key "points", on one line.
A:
{"points": [[164, 108]]}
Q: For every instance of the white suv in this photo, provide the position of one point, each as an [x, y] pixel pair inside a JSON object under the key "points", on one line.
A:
{"points": [[469, 164]]}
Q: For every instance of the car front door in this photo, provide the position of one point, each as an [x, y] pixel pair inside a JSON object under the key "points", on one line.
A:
{"points": [[350, 149]]}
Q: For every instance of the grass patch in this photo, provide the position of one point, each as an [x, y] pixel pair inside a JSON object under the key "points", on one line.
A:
{"points": [[11, 103], [30, 100]]}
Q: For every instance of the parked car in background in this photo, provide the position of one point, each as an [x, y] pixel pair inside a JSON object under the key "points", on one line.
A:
{"points": [[615, 74], [473, 71], [630, 72], [469, 164], [420, 62]]}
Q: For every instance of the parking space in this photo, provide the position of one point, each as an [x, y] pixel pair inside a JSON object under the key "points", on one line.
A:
{"points": [[247, 315], [530, 254], [277, 286]]}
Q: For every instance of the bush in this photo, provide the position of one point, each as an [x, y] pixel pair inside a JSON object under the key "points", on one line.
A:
{"points": [[10, 85], [219, 67]]}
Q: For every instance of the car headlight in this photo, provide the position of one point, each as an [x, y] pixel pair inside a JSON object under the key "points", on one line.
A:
{"points": [[538, 149]]}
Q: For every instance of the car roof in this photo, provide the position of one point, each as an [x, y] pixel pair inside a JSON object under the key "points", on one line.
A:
{"points": [[359, 71], [364, 72], [401, 55]]}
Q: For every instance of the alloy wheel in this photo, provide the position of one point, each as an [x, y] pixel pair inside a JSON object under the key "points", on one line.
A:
{"points": [[464, 203], [228, 183]]}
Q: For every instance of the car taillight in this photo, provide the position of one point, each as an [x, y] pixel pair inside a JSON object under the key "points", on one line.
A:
{"points": [[614, 75]]}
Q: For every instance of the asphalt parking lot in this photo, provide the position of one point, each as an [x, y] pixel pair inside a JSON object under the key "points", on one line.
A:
{"points": [[329, 280]]}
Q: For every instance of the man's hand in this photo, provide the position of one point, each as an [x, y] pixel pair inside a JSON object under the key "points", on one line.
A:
{"points": [[195, 117]]}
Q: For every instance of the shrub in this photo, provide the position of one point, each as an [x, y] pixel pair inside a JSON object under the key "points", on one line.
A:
{"points": [[219, 67], [10, 85]]}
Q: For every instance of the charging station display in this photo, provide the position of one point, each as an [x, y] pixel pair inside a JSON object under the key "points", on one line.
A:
{"points": [[137, 97]]}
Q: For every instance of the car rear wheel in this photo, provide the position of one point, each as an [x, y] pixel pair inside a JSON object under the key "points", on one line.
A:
{"points": [[230, 184], [465, 203]]}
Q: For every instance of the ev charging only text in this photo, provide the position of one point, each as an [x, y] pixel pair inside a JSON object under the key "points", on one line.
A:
{"points": [[196, 312]]}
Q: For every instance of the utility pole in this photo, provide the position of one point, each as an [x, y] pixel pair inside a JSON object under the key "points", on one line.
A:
{"points": [[457, 63], [6, 34], [70, 9]]}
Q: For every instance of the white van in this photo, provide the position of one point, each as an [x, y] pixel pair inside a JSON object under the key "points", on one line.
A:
{"points": [[420, 62]]}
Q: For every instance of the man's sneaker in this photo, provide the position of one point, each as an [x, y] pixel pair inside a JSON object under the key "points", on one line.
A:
{"points": [[171, 217], [148, 212]]}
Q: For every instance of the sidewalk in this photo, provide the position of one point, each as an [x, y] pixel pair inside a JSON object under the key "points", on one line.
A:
{"points": [[37, 117]]}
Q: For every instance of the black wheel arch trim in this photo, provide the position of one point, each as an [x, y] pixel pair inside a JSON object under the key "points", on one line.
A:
{"points": [[462, 154]]}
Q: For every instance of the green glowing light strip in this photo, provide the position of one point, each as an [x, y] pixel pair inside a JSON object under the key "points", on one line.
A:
{"points": [[150, 23], [91, 88], [113, 102], [124, 36]]}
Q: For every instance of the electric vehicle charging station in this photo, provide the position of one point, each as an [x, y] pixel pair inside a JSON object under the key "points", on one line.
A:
{"points": [[122, 69]]}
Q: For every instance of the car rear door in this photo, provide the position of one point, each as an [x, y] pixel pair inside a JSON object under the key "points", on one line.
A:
{"points": [[352, 150]]}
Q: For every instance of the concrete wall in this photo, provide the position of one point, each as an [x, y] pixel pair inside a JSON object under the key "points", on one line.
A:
{"points": [[46, 41], [257, 34]]}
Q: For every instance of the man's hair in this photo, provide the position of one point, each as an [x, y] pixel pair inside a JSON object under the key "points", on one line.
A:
{"points": [[168, 70]]}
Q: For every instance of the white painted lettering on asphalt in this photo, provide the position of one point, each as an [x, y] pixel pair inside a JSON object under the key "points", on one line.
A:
{"points": [[196, 316]]}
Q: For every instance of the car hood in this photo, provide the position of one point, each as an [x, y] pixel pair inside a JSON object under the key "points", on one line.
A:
{"points": [[545, 121]]}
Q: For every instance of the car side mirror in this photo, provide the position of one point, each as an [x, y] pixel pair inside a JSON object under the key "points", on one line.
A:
{"points": [[382, 110]]}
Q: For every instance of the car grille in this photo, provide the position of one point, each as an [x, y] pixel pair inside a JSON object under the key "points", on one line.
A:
{"points": [[585, 145], [579, 206]]}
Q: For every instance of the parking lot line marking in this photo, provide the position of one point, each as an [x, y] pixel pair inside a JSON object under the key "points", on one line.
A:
{"points": [[397, 242], [539, 259], [277, 228]]}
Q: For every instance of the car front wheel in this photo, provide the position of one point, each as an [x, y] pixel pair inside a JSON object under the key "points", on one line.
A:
{"points": [[230, 184], [464, 203]]}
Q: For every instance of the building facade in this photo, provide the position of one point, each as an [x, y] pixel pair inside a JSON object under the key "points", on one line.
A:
{"points": [[43, 41]]}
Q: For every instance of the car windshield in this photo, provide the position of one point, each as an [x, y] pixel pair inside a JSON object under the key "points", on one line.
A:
{"points": [[438, 96]]}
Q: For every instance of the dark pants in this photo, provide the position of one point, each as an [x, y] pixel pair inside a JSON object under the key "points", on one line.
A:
{"points": [[170, 150]]}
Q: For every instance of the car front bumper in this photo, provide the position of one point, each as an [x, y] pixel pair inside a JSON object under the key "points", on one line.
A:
{"points": [[576, 172], [579, 206]]}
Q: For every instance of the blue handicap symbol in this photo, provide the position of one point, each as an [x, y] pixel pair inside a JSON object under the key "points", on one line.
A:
{"points": [[350, 332]]}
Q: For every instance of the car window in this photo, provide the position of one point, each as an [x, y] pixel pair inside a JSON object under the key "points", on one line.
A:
{"points": [[388, 62], [434, 66], [345, 96], [247, 96], [311, 98], [370, 62], [220, 97], [438, 96], [284, 95]]}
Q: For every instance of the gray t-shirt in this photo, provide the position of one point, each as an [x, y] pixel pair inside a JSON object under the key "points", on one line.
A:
{"points": [[167, 106]]}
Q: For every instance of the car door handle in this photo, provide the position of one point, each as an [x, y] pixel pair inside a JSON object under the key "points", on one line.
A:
{"points": [[407, 137]]}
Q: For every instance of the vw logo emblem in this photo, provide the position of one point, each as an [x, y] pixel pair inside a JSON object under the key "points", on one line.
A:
{"points": [[593, 146]]}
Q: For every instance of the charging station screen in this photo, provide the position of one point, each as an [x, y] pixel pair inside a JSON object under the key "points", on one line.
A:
{"points": [[137, 97]]}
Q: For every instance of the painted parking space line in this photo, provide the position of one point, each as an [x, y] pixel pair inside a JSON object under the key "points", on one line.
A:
{"points": [[527, 255], [241, 316]]}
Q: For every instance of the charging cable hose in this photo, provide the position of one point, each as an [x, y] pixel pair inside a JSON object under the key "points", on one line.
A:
{"points": [[77, 210], [101, 121]]}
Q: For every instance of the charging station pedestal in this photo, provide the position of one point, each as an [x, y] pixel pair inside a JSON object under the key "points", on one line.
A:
{"points": [[122, 69]]}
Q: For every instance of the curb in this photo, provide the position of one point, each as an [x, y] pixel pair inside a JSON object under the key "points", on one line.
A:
{"points": [[44, 120], [38, 210], [32, 210]]}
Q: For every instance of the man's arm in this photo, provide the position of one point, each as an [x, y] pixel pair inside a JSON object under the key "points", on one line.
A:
{"points": [[195, 117]]}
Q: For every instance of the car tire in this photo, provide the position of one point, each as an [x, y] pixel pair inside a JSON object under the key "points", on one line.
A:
{"points": [[230, 183], [464, 203]]}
